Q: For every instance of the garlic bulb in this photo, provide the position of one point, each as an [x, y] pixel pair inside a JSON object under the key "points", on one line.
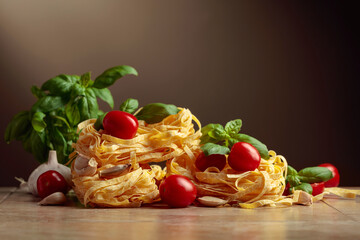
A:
{"points": [[51, 164]]}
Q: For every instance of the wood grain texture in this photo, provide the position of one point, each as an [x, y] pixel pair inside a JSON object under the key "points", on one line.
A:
{"points": [[22, 218], [5, 192]]}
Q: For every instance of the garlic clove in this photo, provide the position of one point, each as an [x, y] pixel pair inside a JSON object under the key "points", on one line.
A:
{"points": [[115, 170], [303, 198], [85, 166], [210, 201], [57, 198]]}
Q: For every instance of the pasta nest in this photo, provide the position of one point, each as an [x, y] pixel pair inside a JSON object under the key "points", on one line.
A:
{"points": [[263, 186], [172, 138]]}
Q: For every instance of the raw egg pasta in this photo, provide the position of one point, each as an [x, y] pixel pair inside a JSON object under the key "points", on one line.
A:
{"points": [[263, 186], [172, 138]]}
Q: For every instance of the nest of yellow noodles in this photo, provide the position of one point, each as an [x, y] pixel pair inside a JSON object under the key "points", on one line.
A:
{"points": [[96, 152], [173, 140], [263, 186]]}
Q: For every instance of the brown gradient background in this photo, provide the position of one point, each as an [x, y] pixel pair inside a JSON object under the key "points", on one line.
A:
{"points": [[289, 70]]}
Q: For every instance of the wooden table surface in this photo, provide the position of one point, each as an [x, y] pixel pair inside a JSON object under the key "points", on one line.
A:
{"points": [[22, 218]]}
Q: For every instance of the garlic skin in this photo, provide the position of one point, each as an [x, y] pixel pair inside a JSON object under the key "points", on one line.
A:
{"points": [[57, 198], [85, 166], [51, 164]]}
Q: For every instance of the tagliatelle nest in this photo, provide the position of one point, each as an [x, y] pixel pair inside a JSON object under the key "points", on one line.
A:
{"points": [[263, 186], [172, 138]]}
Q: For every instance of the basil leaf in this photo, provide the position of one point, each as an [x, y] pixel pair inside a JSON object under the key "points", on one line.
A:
{"points": [[72, 113], [99, 122], [130, 105], [306, 187], [291, 171], [233, 127], [38, 147], [109, 77], [37, 92], [38, 122], [315, 174], [105, 95], [205, 138], [212, 148], [218, 133], [85, 79], [293, 180], [92, 103], [62, 120], [264, 152], [156, 112], [60, 144], [26, 142], [88, 106], [60, 85], [77, 92], [48, 104], [230, 142], [18, 127]]}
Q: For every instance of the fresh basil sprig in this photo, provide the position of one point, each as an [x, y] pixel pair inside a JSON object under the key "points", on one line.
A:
{"points": [[156, 112], [99, 122], [229, 135], [62, 103], [108, 78], [315, 174], [306, 187], [301, 180], [129, 105], [212, 148]]}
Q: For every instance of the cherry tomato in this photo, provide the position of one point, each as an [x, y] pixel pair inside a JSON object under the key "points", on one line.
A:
{"points": [[317, 188], [120, 124], [334, 182], [287, 190], [177, 191], [244, 157], [49, 182], [214, 160], [145, 166]]}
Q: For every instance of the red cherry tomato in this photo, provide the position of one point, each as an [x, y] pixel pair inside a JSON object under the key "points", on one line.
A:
{"points": [[177, 191], [317, 188], [244, 157], [214, 160], [334, 182], [49, 182], [287, 190], [120, 124]]}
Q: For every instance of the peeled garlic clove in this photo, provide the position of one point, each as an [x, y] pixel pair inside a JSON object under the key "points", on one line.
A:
{"points": [[85, 166], [115, 170], [303, 198], [210, 201], [57, 198]]}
